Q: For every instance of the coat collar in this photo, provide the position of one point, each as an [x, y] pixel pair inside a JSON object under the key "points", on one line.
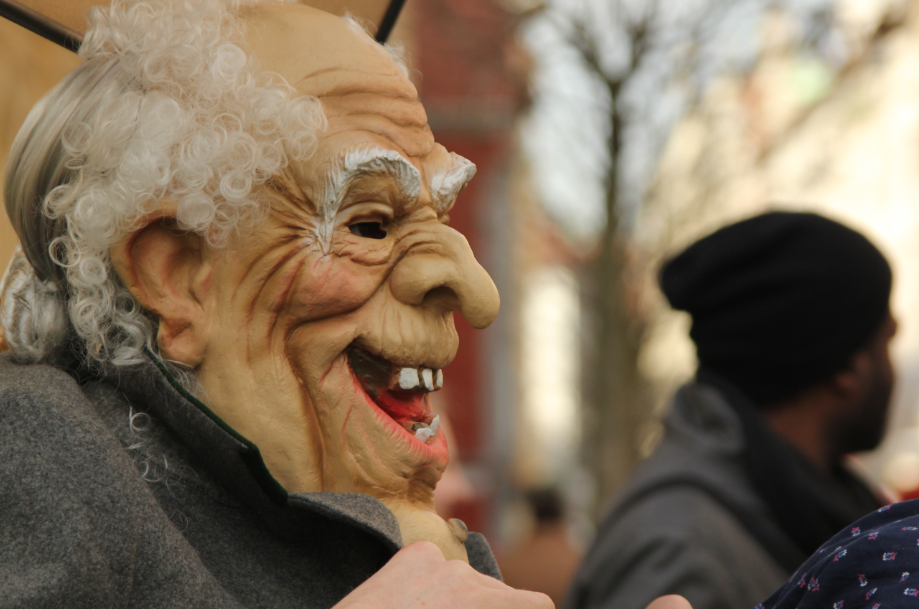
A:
{"points": [[237, 463]]}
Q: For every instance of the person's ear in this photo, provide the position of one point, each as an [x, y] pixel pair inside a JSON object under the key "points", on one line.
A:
{"points": [[167, 273], [851, 382]]}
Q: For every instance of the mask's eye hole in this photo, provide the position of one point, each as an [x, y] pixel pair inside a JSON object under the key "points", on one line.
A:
{"points": [[368, 230]]}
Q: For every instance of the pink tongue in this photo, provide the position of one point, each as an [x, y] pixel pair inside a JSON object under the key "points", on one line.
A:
{"points": [[401, 406]]}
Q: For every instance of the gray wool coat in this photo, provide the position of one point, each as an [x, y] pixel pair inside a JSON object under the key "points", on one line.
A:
{"points": [[125, 493]]}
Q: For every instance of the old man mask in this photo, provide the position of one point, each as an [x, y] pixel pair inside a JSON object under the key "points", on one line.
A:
{"points": [[256, 197]]}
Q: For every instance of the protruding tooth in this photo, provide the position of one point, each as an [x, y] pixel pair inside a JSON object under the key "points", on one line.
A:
{"points": [[439, 379], [424, 434], [427, 376], [408, 378], [434, 424]]}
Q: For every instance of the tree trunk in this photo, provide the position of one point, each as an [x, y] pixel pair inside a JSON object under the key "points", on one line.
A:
{"points": [[615, 390]]}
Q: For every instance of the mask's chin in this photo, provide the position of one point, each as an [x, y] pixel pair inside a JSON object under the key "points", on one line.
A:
{"points": [[399, 397]]}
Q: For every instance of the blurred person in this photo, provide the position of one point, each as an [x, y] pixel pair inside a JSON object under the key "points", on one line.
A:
{"points": [[546, 560], [792, 326]]}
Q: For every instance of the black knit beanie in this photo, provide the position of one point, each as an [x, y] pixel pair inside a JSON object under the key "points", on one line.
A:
{"points": [[780, 301]]}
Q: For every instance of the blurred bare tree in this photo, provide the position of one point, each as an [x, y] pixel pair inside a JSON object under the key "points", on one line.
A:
{"points": [[616, 76]]}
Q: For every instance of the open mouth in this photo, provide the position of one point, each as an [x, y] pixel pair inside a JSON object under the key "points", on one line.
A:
{"points": [[401, 392]]}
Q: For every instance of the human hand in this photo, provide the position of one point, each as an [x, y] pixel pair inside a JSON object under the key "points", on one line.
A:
{"points": [[419, 576], [671, 601]]}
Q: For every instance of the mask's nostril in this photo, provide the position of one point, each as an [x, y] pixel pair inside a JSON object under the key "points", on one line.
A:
{"points": [[443, 297]]}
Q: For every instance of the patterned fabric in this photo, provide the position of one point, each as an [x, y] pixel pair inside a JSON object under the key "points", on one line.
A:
{"points": [[872, 564]]}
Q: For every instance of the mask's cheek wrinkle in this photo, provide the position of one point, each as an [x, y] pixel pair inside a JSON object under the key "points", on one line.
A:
{"points": [[308, 404], [375, 467], [362, 452], [256, 275], [344, 425], [338, 361], [321, 269], [279, 297], [362, 251], [344, 249], [285, 296]]}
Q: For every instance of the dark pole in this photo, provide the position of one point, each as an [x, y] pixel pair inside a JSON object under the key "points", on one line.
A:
{"points": [[41, 25], [389, 20], [62, 36]]}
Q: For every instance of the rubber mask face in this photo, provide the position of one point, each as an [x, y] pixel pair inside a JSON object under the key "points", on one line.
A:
{"points": [[332, 322]]}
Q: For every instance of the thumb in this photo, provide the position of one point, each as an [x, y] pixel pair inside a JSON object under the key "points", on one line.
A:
{"points": [[671, 601]]}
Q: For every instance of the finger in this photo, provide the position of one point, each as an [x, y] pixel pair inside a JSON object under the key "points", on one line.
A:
{"points": [[518, 599], [423, 550], [490, 582], [421, 553], [458, 570], [671, 601]]}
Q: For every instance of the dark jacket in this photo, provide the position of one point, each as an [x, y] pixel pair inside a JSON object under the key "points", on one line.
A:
{"points": [[668, 537], [121, 492], [870, 564]]}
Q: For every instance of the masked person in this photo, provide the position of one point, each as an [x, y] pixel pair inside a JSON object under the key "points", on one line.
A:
{"points": [[235, 294], [792, 327]]}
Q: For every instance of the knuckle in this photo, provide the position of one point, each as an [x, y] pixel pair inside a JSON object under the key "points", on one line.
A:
{"points": [[543, 602], [457, 568], [423, 550], [532, 600]]}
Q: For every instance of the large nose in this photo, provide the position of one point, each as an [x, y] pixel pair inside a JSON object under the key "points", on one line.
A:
{"points": [[440, 271]]}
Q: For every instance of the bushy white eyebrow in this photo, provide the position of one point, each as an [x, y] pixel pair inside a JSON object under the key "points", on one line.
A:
{"points": [[357, 164], [446, 185]]}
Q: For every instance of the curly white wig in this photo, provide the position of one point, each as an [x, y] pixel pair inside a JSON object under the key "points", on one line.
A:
{"points": [[165, 105]]}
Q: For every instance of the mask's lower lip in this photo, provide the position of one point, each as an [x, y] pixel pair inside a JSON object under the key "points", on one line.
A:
{"points": [[408, 408]]}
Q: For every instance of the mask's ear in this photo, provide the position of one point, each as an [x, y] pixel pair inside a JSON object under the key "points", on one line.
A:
{"points": [[167, 272]]}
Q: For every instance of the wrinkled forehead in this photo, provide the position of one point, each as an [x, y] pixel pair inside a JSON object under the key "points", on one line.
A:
{"points": [[359, 85], [377, 127]]}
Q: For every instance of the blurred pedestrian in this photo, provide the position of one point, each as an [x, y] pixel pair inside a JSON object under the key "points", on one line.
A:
{"points": [[792, 327], [546, 560]]}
